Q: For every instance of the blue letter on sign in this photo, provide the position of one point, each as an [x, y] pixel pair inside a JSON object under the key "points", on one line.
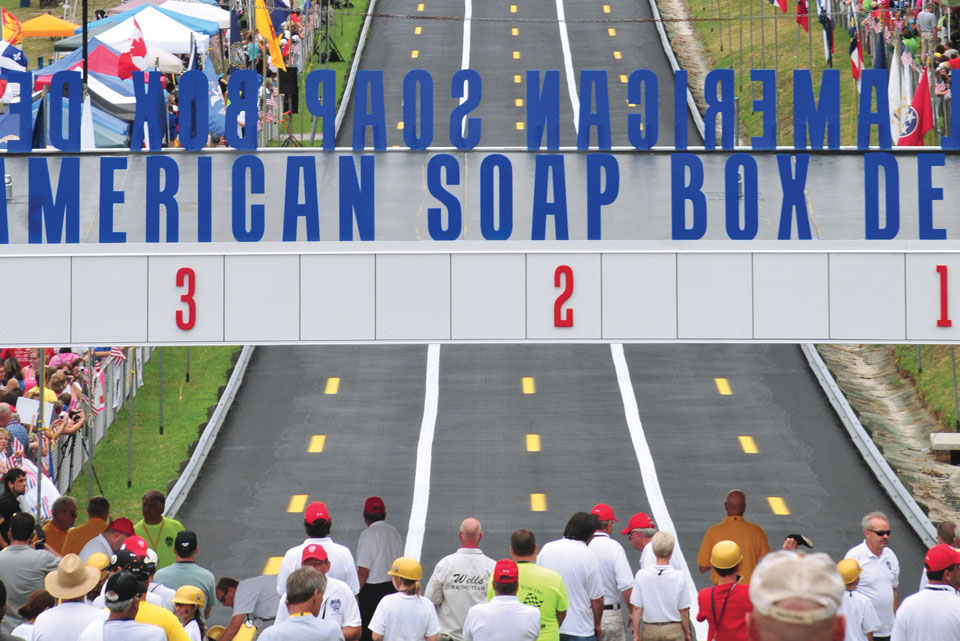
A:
{"points": [[680, 109], [325, 108], [194, 101], [257, 180], [548, 164], [435, 185], [872, 162], [600, 167], [46, 213], [681, 192], [166, 197], [822, 120], [793, 197], [293, 209], [369, 86], [4, 229], [543, 109], [24, 111], [592, 81], [643, 129], [357, 198], [72, 81], [504, 170], [204, 199], [927, 193], [110, 197], [413, 138], [873, 80], [767, 105], [243, 88], [751, 218], [466, 82], [150, 112], [718, 105]]}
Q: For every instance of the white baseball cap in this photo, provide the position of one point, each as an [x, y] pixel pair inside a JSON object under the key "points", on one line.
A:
{"points": [[784, 575]]}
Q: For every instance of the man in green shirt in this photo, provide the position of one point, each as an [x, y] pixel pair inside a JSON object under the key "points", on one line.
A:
{"points": [[539, 586], [158, 531]]}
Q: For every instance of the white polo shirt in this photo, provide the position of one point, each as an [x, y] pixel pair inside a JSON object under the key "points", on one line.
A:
{"points": [[339, 605], [405, 617], [662, 592], [860, 616], [341, 563], [615, 575], [377, 548], [932, 614], [503, 618], [648, 559], [879, 575], [580, 569]]}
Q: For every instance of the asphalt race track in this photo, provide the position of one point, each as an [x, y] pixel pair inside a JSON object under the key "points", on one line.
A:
{"points": [[525, 435]]}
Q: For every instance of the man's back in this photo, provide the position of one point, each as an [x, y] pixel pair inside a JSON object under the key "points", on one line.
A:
{"points": [[543, 589], [303, 628], [578, 566], [188, 573], [65, 622], [749, 536], [79, 536], [502, 619], [342, 565], [458, 583], [931, 614], [377, 548], [22, 570]]}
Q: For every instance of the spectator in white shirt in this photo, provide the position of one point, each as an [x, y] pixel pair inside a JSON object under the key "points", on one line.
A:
{"points": [[947, 532], [70, 583], [377, 547], [616, 579], [123, 601], [934, 611], [317, 523], [660, 597], [405, 615], [304, 589], [861, 620], [879, 570], [580, 569], [641, 529], [504, 618], [459, 580]]}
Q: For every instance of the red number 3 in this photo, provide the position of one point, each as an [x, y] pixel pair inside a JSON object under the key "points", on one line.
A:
{"points": [[186, 277], [562, 317]]}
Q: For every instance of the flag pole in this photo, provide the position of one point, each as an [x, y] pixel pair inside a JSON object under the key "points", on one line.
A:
{"points": [[85, 10]]}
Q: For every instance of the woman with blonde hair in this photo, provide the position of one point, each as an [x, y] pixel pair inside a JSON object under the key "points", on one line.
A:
{"points": [[405, 615]]}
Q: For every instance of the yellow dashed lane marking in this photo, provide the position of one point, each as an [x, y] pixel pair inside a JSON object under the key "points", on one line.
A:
{"points": [[273, 565], [748, 444], [415, 53], [723, 386], [333, 386], [778, 505], [518, 102], [417, 31], [317, 441], [420, 7], [297, 503], [520, 126], [400, 126], [623, 78], [515, 31], [538, 503], [617, 55], [611, 32], [606, 8], [513, 8], [529, 385], [533, 442], [517, 79], [516, 55]]}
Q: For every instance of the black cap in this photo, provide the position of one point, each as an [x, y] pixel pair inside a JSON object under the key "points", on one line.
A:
{"points": [[122, 559], [186, 542], [121, 586]]}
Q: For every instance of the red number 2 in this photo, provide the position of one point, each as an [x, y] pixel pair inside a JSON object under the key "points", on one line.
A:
{"points": [[188, 278], [943, 321], [562, 317]]}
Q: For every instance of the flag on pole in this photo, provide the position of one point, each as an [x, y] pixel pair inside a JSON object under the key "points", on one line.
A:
{"points": [[87, 137], [218, 110], [918, 119], [856, 58], [824, 8], [11, 28], [118, 355], [265, 28], [780, 3], [895, 98], [803, 15], [135, 57], [12, 58]]}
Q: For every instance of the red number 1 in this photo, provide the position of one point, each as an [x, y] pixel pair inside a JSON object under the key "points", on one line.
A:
{"points": [[562, 317], [943, 321], [187, 277]]}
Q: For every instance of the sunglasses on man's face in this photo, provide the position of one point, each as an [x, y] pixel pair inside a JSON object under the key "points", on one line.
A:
{"points": [[881, 532]]}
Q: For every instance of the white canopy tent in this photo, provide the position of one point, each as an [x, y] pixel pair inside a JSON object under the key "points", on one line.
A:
{"points": [[160, 32], [201, 10]]}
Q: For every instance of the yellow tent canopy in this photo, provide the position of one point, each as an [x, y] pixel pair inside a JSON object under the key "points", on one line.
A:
{"points": [[47, 26]]}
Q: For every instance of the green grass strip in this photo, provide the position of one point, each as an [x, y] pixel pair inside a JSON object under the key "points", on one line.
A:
{"points": [[935, 383]]}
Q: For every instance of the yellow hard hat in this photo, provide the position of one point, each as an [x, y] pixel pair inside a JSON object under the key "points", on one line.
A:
{"points": [[215, 632], [406, 568], [849, 570], [189, 595], [725, 555], [98, 560]]}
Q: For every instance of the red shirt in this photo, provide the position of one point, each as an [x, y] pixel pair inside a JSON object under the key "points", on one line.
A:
{"points": [[954, 63], [724, 608]]}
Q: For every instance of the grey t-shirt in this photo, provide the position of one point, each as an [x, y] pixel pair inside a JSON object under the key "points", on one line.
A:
{"points": [[257, 597], [303, 628], [22, 570], [926, 21]]}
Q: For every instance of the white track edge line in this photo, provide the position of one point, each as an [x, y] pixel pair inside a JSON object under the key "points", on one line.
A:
{"points": [[568, 65], [421, 483], [465, 59], [648, 472], [348, 90]]}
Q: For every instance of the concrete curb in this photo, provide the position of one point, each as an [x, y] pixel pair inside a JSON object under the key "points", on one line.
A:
{"points": [[665, 41], [348, 90]]}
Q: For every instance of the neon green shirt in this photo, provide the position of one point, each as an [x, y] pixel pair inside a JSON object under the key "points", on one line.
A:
{"points": [[160, 537], [542, 588]]}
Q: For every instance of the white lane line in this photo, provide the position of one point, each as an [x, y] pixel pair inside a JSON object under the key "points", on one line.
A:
{"points": [[465, 60], [421, 483], [648, 471], [568, 65]]}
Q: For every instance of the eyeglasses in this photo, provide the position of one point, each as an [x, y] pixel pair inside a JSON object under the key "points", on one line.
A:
{"points": [[880, 532]]}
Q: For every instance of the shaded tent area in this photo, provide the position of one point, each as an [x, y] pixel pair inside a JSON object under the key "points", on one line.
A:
{"points": [[74, 42], [47, 26], [131, 4], [108, 131], [101, 58]]}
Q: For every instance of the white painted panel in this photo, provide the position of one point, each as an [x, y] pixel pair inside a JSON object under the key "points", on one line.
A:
{"points": [[261, 298], [542, 294], [48, 324], [488, 296], [640, 296], [790, 299], [413, 297], [165, 298], [923, 297], [714, 295], [109, 300], [337, 297], [867, 297]]}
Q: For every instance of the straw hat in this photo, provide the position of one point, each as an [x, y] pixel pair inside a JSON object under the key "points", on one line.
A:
{"points": [[71, 579]]}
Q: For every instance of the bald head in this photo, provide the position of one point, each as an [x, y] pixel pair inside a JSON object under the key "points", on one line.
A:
{"points": [[736, 503], [470, 533]]}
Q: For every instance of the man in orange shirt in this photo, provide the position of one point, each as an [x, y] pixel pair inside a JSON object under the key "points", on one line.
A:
{"points": [[749, 536], [64, 511], [98, 515]]}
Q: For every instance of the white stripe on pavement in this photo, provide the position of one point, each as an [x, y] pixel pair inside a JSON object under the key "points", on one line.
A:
{"points": [[465, 60], [648, 472], [568, 65], [421, 483]]}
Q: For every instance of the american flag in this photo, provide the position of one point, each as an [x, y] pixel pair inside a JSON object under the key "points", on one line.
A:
{"points": [[84, 399], [118, 354], [271, 106]]}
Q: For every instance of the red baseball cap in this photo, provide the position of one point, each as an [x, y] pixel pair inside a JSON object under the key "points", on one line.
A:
{"points": [[604, 512], [313, 551], [638, 521], [122, 525], [135, 544], [506, 571], [316, 511], [940, 557], [374, 505]]}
